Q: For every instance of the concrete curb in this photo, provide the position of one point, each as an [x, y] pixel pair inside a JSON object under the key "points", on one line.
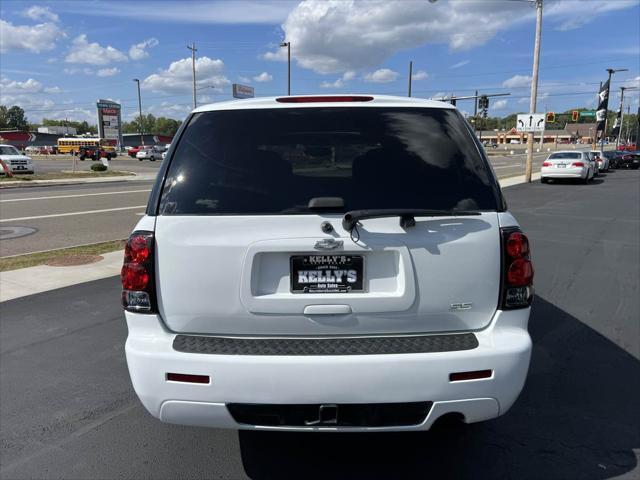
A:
{"points": [[42, 278]]}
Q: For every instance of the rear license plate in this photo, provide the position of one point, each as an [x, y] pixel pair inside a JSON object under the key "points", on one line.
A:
{"points": [[561, 165], [327, 273]]}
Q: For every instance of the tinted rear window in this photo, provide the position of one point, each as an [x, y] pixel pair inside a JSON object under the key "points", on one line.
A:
{"points": [[274, 161], [560, 155]]}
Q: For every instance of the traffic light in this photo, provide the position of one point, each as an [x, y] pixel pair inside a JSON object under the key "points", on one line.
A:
{"points": [[483, 102], [551, 117], [575, 115]]}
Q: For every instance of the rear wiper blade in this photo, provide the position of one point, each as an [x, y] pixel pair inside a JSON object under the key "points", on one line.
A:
{"points": [[407, 215]]}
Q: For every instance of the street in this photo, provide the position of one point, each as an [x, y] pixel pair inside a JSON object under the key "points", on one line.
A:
{"points": [[64, 216], [69, 411], [56, 163]]}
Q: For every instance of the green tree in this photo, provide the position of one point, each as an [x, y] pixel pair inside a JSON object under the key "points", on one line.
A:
{"points": [[81, 127], [13, 117], [152, 124]]}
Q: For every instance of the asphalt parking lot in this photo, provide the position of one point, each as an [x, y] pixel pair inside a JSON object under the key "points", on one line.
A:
{"points": [[68, 409]]}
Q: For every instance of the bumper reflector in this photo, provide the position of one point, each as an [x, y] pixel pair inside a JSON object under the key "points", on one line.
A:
{"points": [[186, 378], [460, 376]]}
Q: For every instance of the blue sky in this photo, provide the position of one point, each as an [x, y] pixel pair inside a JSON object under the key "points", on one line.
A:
{"points": [[59, 57]]}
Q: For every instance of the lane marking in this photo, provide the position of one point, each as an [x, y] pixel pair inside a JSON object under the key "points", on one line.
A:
{"points": [[73, 196], [69, 214]]}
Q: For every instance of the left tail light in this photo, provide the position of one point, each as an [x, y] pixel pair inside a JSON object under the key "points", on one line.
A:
{"points": [[138, 274], [517, 270]]}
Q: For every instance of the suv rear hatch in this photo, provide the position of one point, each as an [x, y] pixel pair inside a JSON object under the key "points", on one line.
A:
{"points": [[249, 231]]}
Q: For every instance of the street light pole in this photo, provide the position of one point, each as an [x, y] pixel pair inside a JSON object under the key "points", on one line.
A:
{"points": [[140, 113], [193, 49], [410, 75], [288, 45], [534, 88], [622, 89]]}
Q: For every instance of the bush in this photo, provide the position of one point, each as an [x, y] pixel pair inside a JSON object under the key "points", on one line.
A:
{"points": [[98, 167]]}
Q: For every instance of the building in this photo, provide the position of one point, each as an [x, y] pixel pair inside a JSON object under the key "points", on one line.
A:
{"points": [[58, 130], [133, 139], [23, 139], [572, 132]]}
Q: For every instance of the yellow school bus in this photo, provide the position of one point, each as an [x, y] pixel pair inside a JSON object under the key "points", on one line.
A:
{"points": [[72, 145]]}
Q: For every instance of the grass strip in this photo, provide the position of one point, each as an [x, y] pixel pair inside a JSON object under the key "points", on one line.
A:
{"points": [[39, 258], [63, 175]]}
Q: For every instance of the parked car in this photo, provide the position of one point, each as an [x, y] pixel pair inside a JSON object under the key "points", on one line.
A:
{"points": [[302, 274], [152, 153], [613, 157], [94, 153], [133, 151], [32, 150], [627, 147], [490, 144], [601, 160], [15, 161], [568, 164], [629, 160]]}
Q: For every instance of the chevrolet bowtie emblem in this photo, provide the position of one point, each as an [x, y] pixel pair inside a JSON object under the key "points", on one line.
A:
{"points": [[328, 244]]}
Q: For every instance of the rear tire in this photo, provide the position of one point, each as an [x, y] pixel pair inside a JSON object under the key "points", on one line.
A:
{"points": [[544, 180], [153, 159]]}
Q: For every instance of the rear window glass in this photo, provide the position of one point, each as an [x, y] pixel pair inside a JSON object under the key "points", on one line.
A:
{"points": [[275, 161], [560, 155]]}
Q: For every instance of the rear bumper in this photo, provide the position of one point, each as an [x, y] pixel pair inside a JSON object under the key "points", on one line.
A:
{"points": [[550, 172], [504, 347]]}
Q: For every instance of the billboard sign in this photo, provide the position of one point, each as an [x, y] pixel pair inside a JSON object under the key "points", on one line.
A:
{"points": [[110, 121], [242, 91]]}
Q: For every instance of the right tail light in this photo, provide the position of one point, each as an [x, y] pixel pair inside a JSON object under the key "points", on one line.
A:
{"points": [[517, 270]]}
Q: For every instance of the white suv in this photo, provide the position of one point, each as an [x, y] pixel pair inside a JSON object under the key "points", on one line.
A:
{"points": [[327, 263]]}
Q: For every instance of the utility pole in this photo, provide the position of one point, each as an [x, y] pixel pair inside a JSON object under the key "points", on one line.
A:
{"points": [[622, 89], [475, 113], [611, 71], [534, 88], [140, 113], [288, 45], [193, 49], [410, 75]]}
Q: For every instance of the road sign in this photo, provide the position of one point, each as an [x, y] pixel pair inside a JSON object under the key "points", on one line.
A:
{"points": [[109, 121], [242, 91], [588, 113], [530, 122]]}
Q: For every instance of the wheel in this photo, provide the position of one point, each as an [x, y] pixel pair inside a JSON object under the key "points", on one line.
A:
{"points": [[82, 158], [586, 179], [153, 159], [140, 159], [544, 180]]}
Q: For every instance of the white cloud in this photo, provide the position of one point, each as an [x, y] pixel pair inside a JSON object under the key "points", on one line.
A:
{"points": [[108, 72], [13, 86], [81, 51], [177, 78], [499, 105], [37, 12], [460, 64], [517, 81], [244, 79], [340, 82], [419, 75], [263, 77], [334, 36], [139, 50], [572, 14], [52, 90], [34, 38], [382, 75]]}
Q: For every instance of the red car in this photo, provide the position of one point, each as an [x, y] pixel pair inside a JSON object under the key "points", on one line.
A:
{"points": [[630, 148], [133, 150]]}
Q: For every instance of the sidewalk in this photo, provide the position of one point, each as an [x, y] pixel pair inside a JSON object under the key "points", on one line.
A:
{"points": [[42, 278]]}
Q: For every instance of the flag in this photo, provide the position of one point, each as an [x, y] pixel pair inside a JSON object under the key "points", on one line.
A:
{"points": [[603, 103]]}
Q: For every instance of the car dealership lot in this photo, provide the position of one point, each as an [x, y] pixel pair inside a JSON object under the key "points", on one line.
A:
{"points": [[68, 410]]}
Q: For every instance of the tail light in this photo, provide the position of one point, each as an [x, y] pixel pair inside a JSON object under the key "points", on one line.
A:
{"points": [[546, 164], [517, 270], [137, 274], [577, 164]]}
